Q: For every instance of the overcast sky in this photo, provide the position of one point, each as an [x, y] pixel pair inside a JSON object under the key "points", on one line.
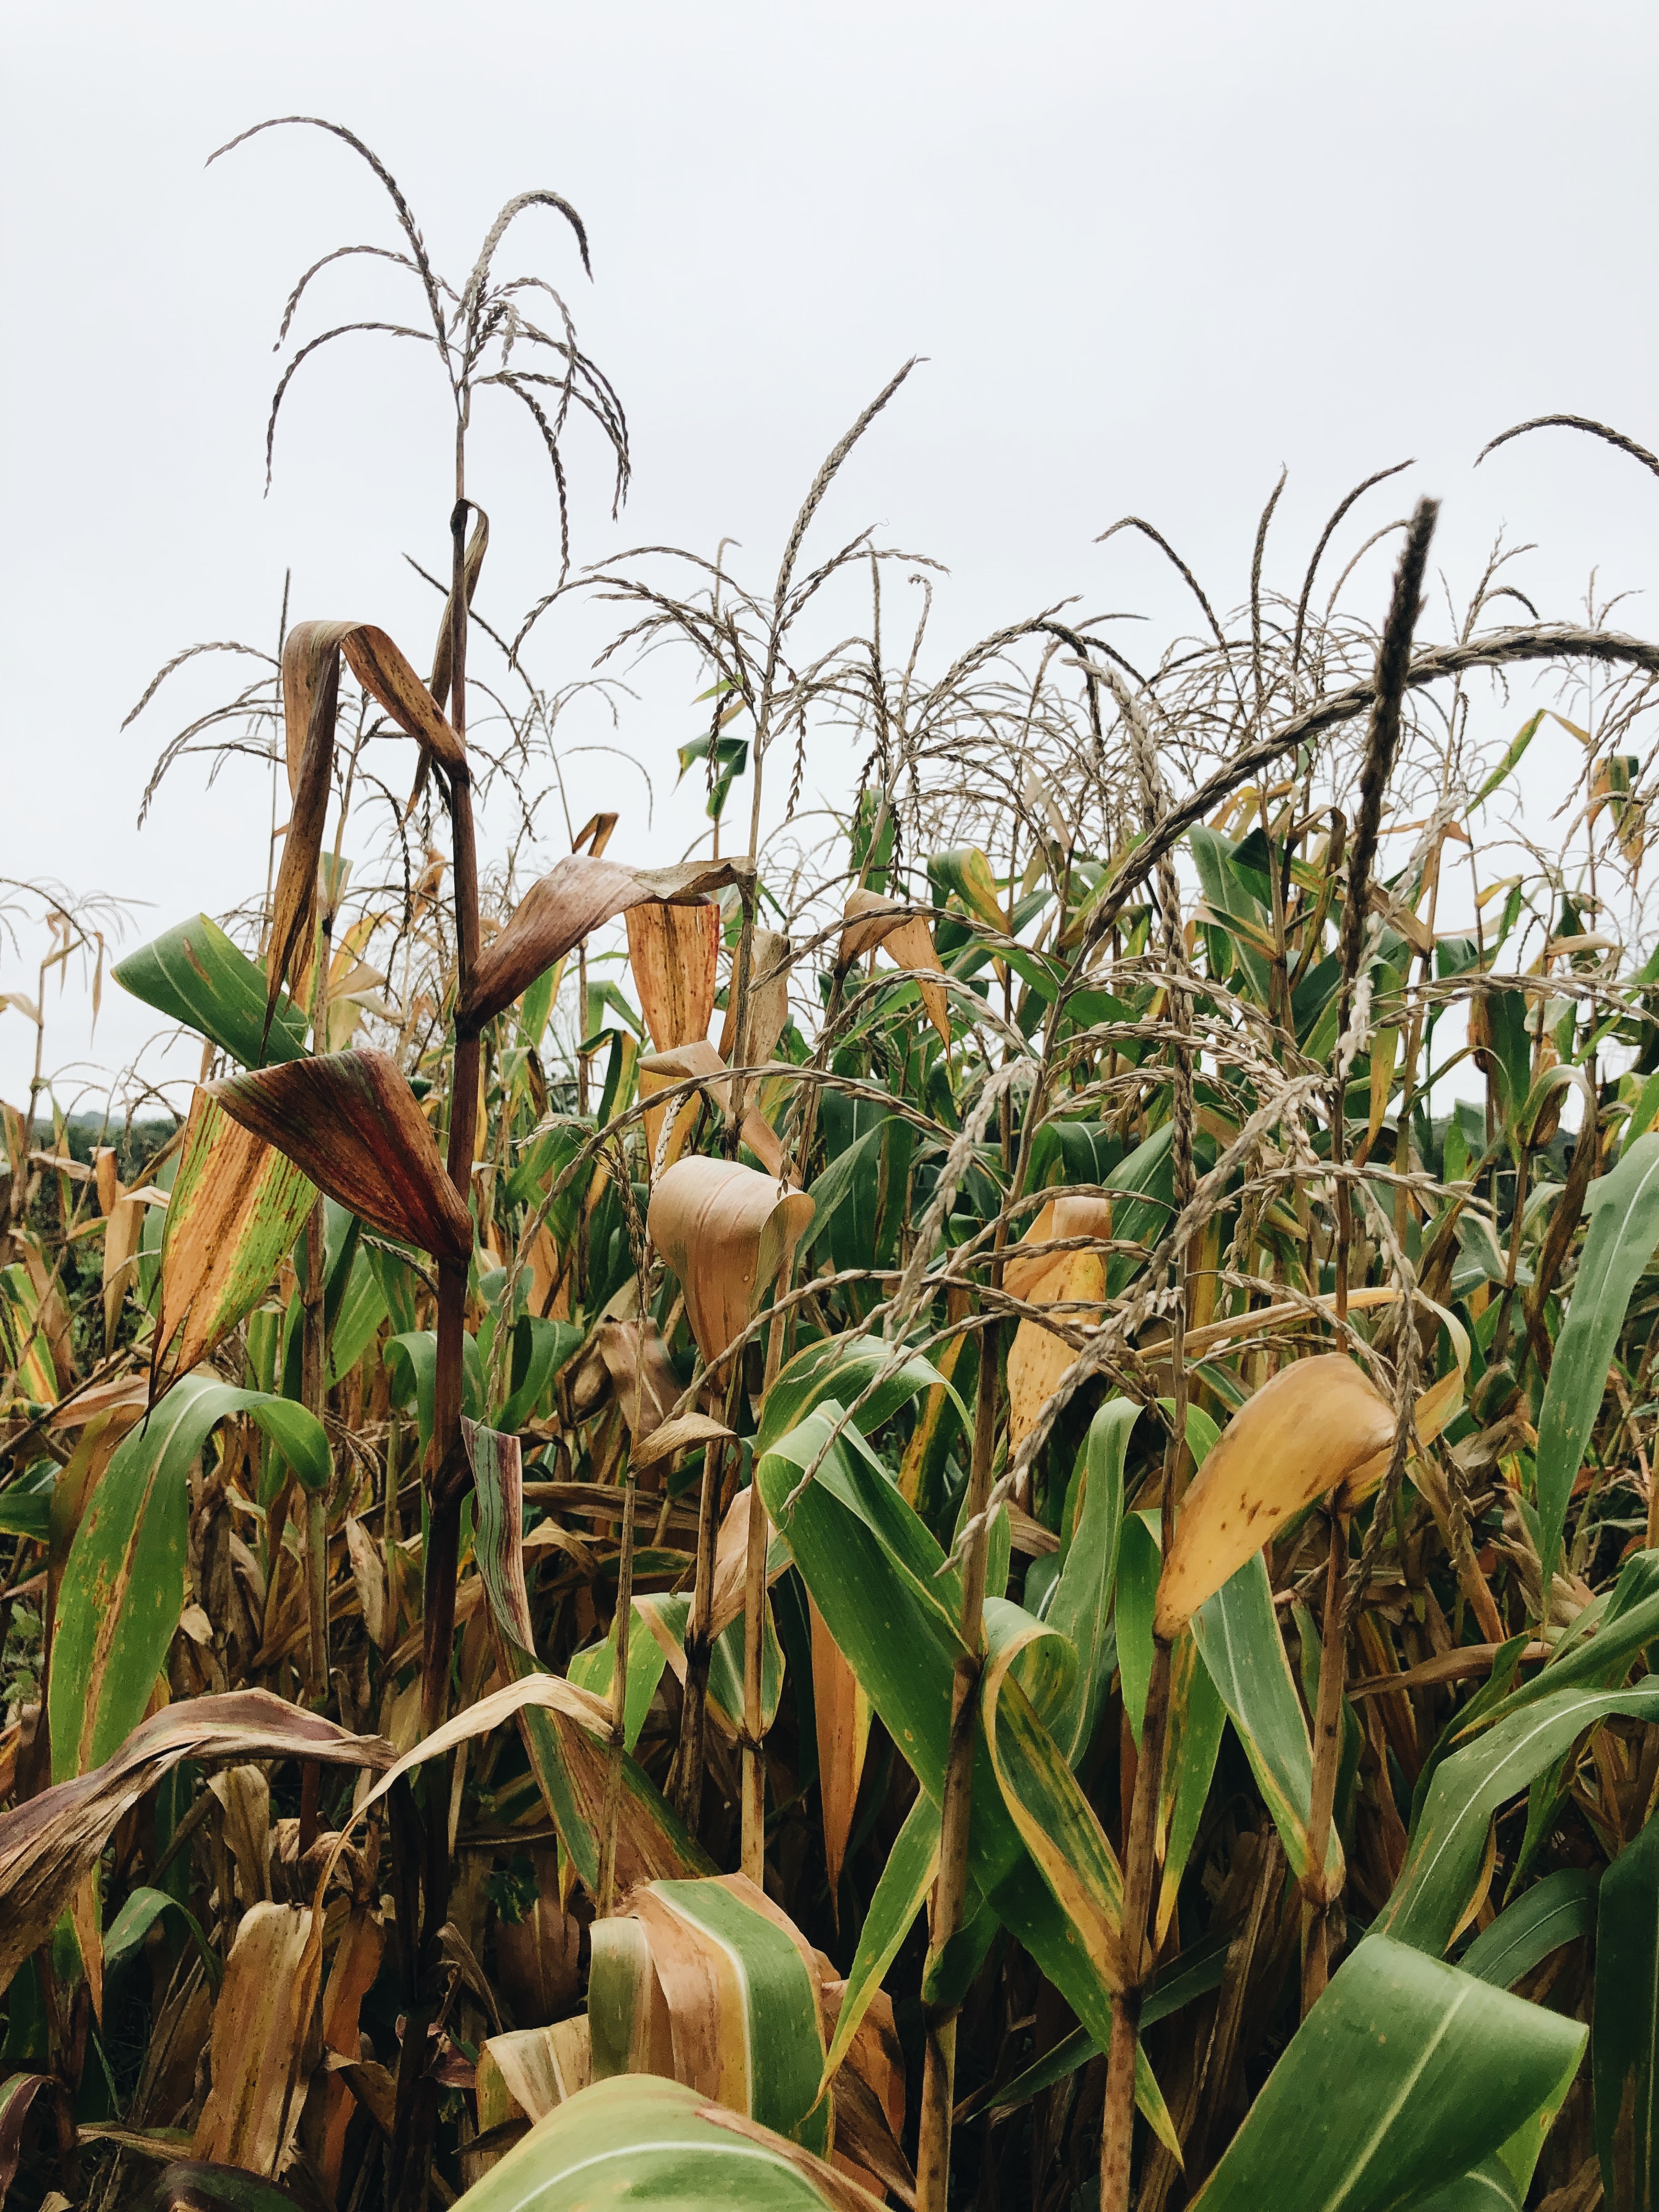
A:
{"points": [[1151, 253]]}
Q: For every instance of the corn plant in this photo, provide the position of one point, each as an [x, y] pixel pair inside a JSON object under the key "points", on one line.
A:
{"points": [[952, 1506]]}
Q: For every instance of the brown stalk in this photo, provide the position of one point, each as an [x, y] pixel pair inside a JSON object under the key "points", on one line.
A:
{"points": [[1381, 744]]}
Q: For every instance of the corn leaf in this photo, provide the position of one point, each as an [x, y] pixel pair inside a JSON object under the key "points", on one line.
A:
{"points": [[195, 975]]}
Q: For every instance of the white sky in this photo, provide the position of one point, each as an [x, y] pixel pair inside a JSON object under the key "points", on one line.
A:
{"points": [[1152, 253]]}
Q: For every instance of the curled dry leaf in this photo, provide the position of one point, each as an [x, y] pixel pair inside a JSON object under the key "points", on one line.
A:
{"points": [[683, 1433], [236, 1206], [674, 952], [769, 955], [575, 897], [727, 1231], [381, 670], [1302, 1435], [351, 1123], [872, 918], [1037, 1358], [49, 1845], [610, 1359]]}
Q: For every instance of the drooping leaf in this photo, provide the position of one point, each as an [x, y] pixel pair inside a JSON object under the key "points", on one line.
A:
{"points": [[872, 918], [1037, 1358], [350, 1120], [1296, 1439], [574, 897], [50, 1843], [727, 1234]]}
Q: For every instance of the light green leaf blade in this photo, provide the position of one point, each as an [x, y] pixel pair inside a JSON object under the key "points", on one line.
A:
{"points": [[196, 975], [1623, 1232], [1404, 2071]]}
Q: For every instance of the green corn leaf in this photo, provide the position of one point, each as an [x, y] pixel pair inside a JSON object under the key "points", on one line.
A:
{"points": [[1449, 1835], [1624, 1231], [900, 1891], [1238, 1640], [196, 975], [1406, 2070], [642, 2140], [1552, 1913], [1080, 1608], [124, 1581], [1625, 2059]]}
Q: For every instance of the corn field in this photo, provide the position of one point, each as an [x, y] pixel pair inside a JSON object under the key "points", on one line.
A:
{"points": [[952, 1506]]}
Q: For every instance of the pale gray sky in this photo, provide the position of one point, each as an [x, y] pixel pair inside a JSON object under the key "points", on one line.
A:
{"points": [[1151, 252]]}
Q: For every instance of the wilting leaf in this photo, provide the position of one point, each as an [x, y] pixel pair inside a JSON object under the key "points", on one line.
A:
{"points": [[741, 1987], [1298, 1438], [1624, 1231], [1403, 2072], [123, 1583], [381, 670], [50, 1843], [350, 1120], [674, 952], [872, 918], [767, 1015], [234, 1210], [311, 689], [727, 1234], [196, 975], [574, 898]]}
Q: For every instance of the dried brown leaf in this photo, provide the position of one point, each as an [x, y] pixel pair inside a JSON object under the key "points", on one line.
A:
{"points": [[727, 1231], [351, 1123]]}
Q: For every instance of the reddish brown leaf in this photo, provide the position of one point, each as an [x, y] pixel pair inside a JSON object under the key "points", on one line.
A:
{"points": [[575, 897], [350, 1122]]}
